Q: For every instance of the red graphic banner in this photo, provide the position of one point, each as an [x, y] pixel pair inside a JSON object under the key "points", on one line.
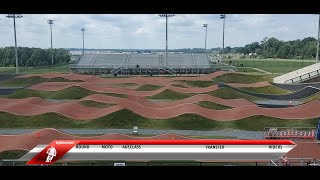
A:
{"points": [[53, 152]]}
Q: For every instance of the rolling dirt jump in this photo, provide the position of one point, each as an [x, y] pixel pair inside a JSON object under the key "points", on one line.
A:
{"points": [[37, 106], [136, 102]]}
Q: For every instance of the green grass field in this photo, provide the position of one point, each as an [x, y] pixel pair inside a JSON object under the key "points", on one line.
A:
{"points": [[312, 98], [36, 70], [41, 70], [271, 65], [126, 119], [266, 90], [68, 93], [199, 83], [170, 95], [95, 104], [7, 70], [22, 82], [248, 70], [224, 93], [227, 93], [148, 87], [243, 78], [13, 154], [179, 85], [212, 105], [126, 85]]}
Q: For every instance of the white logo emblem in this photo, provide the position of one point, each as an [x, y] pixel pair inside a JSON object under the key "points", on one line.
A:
{"points": [[52, 152]]}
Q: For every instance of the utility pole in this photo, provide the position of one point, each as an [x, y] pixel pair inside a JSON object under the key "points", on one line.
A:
{"points": [[205, 41], [223, 16], [166, 16], [317, 55], [82, 40], [51, 22], [14, 16]]}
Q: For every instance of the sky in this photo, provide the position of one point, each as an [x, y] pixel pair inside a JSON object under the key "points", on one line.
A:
{"points": [[147, 31]]}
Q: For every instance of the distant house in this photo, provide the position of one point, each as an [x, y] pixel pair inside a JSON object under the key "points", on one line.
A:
{"points": [[253, 54]]}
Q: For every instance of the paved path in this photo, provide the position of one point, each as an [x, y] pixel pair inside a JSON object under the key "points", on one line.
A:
{"points": [[230, 133], [302, 93], [297, 87]]}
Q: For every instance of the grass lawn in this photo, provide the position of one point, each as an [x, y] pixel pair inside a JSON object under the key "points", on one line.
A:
{"points": [[68, 93], [248, 69], [243, 78], [312, 98], [14, 154], [126, 85], [126, 119], [15, 82], [271, 65], [212, 137], [195, 137], [42, 70], [199, 83], [179, 85], [148, 87], [212, 105], [266, 90], [227, 93], [94, 104], [170, 95], [7, 70], [279, 69]]}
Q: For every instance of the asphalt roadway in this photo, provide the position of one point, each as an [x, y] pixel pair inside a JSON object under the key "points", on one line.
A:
{"points": [[240, 134]]}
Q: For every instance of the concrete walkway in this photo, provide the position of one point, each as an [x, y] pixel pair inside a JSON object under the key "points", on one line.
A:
{"points": [[226, 133]]}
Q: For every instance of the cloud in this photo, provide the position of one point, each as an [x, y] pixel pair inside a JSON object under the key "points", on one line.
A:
{"points": [[148, 30]]}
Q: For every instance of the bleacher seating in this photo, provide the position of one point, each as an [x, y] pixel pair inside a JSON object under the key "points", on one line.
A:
{"points": [[145, 60]]}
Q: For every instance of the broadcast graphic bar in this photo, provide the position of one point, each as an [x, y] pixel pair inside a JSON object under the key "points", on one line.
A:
{"points": [[84, 150]]}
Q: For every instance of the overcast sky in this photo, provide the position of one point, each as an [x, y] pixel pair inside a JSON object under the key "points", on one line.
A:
{"points": [[147, 31]]}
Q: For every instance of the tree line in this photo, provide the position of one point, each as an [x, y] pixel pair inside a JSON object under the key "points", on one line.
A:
{"points": [[33, 56], [274, 48]]}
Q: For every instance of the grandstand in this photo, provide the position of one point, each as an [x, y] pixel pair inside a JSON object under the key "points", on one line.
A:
{"points": [[144, 64]]}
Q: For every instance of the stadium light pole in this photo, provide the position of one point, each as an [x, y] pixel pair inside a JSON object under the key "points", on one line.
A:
{"points": [[205, 41], [317, 55], [223, 16], [82, 40], [14, 16], [166, 16], [50, 22]]}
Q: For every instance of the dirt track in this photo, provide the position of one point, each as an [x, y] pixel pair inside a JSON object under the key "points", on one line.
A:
{"points": [[305, 150], [163, 81], [136, 80], [136, 103], [58, 86], [94, 83], [37, 106], [46, 136]]}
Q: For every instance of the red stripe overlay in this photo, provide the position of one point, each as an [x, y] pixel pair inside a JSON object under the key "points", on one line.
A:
{"points": [[189, 142]]}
